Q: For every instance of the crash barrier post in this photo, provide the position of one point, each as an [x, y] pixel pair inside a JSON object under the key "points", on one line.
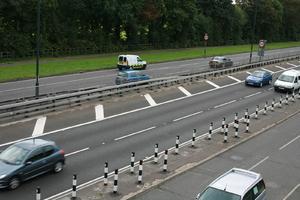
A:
{"points": [[287, 99], [225, 134], [156, 153], [140, 176], [74, 187], [105, 180], [116, 177], [194, 137], [266, 108], [38, 193], [132, 158], [165, 167], [246, 115], [256, 111], [236, 134], [273, 103], [177, 145], [223, 125], [248, 124]]}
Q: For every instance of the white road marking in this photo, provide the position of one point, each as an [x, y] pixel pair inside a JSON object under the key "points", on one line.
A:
{"points": [[291, 192], [270, 88], [180, 118], [213, 84], [99, 111], [79, 151], [150, 100], [267, 70], [292, 64], [263, 160], [293, 140], [182, 89], [39, 126], [235, 79], [224, 104], [248, 72], [279, 67], [251, 95], [131, 134]]}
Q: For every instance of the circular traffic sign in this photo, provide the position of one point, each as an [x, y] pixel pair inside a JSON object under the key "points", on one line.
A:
{"points": [[261, 43], [205, 36]]}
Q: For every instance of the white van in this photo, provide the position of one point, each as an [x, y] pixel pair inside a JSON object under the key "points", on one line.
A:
{"points": [[131, 62], [288, 81]]}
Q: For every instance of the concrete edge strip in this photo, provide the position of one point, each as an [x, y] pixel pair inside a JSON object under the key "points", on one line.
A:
{"points": [[190, 166]]}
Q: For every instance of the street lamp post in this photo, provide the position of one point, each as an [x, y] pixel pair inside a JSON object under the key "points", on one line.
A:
{"points": [[253, 30], [38, 49]]}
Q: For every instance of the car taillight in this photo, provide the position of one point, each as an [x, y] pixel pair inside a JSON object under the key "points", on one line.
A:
{"points": [[62, 152]]}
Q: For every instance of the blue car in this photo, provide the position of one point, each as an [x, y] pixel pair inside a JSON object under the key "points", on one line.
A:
{"points": [[259, 78], [129, 76], [28, 159]]}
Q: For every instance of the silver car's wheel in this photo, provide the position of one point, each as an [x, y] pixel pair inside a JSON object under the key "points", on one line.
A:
{"points": [[58, 167], [14, 183]]}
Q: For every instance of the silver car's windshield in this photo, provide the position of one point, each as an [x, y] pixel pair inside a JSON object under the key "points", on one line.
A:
{"points": [[216, 194], [14, 155], [286, 78]]}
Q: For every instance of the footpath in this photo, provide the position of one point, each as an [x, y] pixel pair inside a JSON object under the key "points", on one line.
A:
{"points": [[145, 181]]}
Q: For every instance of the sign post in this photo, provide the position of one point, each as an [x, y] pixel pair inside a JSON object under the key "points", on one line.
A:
{"points": [[261, 49], [205, 43]]}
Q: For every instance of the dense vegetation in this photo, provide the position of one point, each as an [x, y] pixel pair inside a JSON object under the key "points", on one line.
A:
{"points": [[161, 23]]}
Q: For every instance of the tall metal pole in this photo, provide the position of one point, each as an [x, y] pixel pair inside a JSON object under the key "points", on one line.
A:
{"points": [[253, 30], [38, 49]]}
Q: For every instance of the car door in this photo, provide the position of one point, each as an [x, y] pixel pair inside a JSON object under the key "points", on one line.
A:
{"points": [[50, 160], [34, 164]]}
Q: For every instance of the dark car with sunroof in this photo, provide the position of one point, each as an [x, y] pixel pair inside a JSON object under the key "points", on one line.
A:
{"points": [[27, 159]]}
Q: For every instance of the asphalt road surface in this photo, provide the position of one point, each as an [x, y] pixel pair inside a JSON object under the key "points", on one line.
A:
{"points": [[274, 154], [135, 125], [25, 88]]}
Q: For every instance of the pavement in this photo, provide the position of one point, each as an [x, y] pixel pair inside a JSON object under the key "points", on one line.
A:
{"points": [[190, 171]]}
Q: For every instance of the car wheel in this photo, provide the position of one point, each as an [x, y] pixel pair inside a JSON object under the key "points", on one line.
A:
{"points": [[58, 167], [14, 183], [261, 84]]}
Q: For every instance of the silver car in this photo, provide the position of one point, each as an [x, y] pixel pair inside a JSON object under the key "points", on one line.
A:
{"points": [[220, 61]]}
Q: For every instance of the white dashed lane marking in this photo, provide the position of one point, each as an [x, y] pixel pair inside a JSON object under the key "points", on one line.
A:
{"points": [[132, 134], [292, 64], [224, 104], [279, 67], [150, 100], [267, 70], [75, 152], [99, 111], [235, 79], [184, 117], [251, 95], [213, 84], [182, 89], [263, 160], [39, 126], [248, 72]]}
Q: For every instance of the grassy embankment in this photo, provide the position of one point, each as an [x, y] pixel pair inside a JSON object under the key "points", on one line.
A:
{"points": [[16, 70]]}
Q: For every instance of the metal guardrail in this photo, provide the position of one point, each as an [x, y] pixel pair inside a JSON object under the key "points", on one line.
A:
{"points": [[50, 104]]}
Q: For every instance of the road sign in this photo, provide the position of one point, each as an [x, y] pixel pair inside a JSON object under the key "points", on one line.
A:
{"points": [[205, 36], [261, 43]]}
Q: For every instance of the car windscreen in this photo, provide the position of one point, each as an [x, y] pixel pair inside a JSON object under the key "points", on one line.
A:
{"points": [[122, 74], [14, 155], [218, 58], [216, 194], [286, 78], [258, 74]]}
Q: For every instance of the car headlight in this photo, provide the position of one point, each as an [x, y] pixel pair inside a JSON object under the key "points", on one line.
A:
{"points": [[2, 176]]}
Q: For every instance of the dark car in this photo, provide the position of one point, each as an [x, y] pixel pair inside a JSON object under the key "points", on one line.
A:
{"points": [[259, 78], [130, 76], [28, 159], [220, 61]]}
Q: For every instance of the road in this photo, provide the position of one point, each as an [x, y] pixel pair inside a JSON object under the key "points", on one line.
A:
{"points": [[274, 154], [135, 126], [25, 88]]}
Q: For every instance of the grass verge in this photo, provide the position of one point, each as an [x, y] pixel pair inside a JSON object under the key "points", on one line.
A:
{"points": [[17, 70]]}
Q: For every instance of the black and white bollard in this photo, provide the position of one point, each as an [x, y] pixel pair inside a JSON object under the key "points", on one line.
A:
{"points": [[248, 124], [132, 158], [177, 145], [223, 125], [105, 180], [273, 105], [156, 153], [293, 96], [236, 134], [74, 187], [38, 193], [246, 115], [165, 166], [140, 176], [236, 121], [194, 137], [116, 177], [256, 111], [298, 93], [266, 108], [287, 99], [210, 131], [280, 101], [226, 134]]}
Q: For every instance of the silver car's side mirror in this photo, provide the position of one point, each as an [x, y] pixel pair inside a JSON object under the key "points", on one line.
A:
{"points": [[198, 196]]}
